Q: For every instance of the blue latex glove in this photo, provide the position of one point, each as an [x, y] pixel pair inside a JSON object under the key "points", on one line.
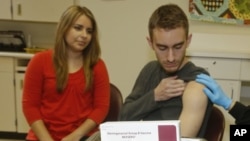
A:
{"points": [[214, 91]]}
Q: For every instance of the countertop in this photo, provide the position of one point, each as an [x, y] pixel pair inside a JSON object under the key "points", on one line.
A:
{"points": [[239, 54], [235, 54], [16, 54]]}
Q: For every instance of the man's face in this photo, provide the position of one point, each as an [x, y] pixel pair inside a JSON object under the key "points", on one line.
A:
{"points": [[170, 47]]}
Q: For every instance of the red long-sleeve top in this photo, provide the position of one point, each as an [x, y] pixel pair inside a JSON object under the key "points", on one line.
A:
{"points": [[63, 112]]}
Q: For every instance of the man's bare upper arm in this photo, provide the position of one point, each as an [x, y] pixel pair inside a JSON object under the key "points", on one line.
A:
{"points": [[194, 109]]}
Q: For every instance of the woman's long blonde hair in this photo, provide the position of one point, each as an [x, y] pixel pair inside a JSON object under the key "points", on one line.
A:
{"points": [[91, 53]]}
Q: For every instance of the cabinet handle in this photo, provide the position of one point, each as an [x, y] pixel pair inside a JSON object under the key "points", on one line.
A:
{"points": [[19, 9], [232, 93], [21, 84], [214, 62]]}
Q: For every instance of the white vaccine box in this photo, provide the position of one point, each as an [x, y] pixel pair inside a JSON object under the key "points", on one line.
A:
{"points": [[166, 130]]}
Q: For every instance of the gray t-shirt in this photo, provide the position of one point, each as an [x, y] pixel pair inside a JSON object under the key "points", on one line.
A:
{"points": [[140, 104]]}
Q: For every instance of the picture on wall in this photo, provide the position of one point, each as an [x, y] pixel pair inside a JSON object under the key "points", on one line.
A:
{"points": [[221, 11]]}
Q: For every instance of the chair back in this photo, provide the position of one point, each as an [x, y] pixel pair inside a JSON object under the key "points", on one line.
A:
{"points": [[216, 125], [116, 101]]}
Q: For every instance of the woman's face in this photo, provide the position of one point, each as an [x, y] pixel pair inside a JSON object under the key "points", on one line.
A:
{"points": [[80, 34]]}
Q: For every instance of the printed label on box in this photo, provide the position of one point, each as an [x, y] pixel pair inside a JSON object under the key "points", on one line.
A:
{"points": [[140, 131]]}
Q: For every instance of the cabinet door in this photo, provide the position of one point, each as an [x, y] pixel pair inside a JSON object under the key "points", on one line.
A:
{"points": [[219, 68], [39, 10], [7, 95], [232, 89], [22, 125], [5, 9], [245, 68]]}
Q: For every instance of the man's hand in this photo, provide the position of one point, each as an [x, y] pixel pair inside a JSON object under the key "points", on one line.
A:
{"points": [[168, 88], [214, 91]]}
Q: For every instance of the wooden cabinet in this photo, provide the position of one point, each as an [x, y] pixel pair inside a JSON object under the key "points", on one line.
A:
{"points": [[12, 71], [20, 67], [220, 68], [232, 89], [22, 125], [7, 95], [5, 9], [35, 10], [227, 72], [43, 10], [245, 70]]}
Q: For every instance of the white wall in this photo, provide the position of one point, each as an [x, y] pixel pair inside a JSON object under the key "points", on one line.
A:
{"points": [[123, 31]]}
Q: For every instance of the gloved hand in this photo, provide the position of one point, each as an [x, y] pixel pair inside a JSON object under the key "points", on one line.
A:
{"points": [[214, 91]]}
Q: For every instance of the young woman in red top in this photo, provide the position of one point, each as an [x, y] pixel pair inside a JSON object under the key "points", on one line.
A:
{"points": [[66, 89]]}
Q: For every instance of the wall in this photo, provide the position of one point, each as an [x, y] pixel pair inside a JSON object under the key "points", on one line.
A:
{"points": [[123, 31]]}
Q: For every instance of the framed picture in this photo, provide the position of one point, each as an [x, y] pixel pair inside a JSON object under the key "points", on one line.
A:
{"points": [[221, 11]]}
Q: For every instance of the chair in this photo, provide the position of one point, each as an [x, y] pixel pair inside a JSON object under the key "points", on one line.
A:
{"points": [[216, 125], [116, 101]]}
